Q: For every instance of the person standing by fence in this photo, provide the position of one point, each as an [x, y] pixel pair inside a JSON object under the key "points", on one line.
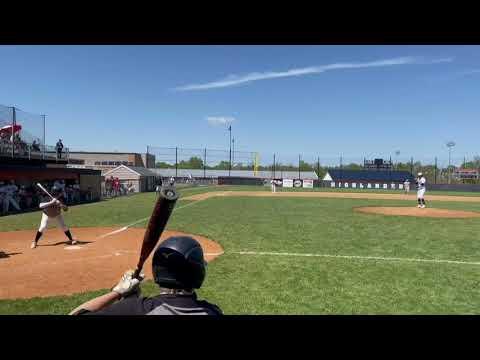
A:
{"points": [[59, 148]]}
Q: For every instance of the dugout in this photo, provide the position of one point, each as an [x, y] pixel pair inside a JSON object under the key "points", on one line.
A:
{"points": [[141, 178], [88, 179]]}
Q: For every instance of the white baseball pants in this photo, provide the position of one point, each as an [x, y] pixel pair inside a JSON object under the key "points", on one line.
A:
{"points": [[46, 219], [420, 194]]}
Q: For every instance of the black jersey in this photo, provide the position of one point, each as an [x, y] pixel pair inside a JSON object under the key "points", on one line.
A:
{"points": [[167, 303]]}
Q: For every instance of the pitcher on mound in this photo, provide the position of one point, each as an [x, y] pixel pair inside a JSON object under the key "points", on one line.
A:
{"points": [[53, 210], [421, 181]]}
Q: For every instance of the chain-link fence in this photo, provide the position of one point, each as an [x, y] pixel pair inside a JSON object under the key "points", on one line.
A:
{"points": [[202, 159], [438, 170], [22, 135]]}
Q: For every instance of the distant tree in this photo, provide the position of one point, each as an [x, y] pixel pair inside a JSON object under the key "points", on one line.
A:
{"points": [[164, 165], [352, 166], [193, 163]]}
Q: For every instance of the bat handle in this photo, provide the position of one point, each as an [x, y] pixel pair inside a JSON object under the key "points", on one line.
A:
{"points": [[136, 273]]}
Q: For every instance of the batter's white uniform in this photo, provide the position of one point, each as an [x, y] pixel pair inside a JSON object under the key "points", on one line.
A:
{"points": [[51, 210], [421, 182]]}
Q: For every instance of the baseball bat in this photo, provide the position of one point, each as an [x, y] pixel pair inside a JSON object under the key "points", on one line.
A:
{"points": [[158, 220], [65, 208], [45, 190]]}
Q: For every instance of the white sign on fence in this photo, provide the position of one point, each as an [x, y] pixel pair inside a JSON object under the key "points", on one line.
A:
{"points": [[308, 184], [287, 183]]}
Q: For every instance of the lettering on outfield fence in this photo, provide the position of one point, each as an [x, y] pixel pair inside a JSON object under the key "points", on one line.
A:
{"points": [[287, 183]]}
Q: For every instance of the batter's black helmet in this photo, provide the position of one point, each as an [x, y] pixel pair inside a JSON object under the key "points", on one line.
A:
{"points": [[178, 263]]}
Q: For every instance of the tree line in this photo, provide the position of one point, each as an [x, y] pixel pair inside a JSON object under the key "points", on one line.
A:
{"points": [[432, 173]]}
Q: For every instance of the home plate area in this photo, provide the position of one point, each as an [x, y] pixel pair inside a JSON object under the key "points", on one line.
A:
{"points": [[56, 268]]}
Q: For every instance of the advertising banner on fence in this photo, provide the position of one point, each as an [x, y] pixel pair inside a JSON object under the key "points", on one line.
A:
{"points": [[297, 183], [308, 184], [287, 183]]}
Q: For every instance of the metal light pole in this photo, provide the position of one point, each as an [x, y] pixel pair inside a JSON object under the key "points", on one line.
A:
{"points": [[397, 153], [233, 151], [450, 144], [230, 142]]}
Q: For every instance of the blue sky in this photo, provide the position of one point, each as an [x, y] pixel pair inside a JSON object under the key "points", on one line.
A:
{"points": [[325, 100]]}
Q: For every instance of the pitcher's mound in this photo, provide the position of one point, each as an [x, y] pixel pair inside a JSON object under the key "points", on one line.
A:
{"points": [[415, 211]]}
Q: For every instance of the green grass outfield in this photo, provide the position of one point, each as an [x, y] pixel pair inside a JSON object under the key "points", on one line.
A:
{"points": [[278, 284]]}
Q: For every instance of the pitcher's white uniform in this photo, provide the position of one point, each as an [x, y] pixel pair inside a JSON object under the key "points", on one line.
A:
{"points": [[274, 185], [421, 182]]}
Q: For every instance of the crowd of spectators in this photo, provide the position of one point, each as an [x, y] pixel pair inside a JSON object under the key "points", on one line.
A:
{"points": [[25, 197], [114, 187]]}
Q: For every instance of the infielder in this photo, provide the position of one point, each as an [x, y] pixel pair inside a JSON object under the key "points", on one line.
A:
{"points": [[421, 182], [274, 185], [406, 186], [53, 210]]}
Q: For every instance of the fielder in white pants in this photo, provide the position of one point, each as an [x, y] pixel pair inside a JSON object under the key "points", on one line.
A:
{"points": [[52, 210], [274, 186], [421, 182]]}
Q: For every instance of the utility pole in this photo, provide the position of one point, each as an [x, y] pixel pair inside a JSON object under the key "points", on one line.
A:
{"points": [[299, 159], [230, 141], [204, 162], [274, 166], [450, 145], [176, 162]]}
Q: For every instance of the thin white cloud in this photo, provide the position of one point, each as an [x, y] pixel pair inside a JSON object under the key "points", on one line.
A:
{"points": [[233, 80], [220, 120]]}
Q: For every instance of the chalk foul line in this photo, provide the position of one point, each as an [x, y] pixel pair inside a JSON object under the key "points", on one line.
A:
{"points": [[142, 220], [355, 257]]}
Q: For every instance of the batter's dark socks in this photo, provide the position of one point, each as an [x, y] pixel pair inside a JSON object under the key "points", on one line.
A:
{"points": [[423, 201], [69, 235], [38, 236], [419, 202]]}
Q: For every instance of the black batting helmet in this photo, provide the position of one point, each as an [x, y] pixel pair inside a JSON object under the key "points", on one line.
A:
{"points": [[178, 263]]}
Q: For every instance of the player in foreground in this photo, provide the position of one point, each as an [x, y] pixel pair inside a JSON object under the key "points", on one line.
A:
{"points": [[53, 210], [421, 181], [178, 268]]}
